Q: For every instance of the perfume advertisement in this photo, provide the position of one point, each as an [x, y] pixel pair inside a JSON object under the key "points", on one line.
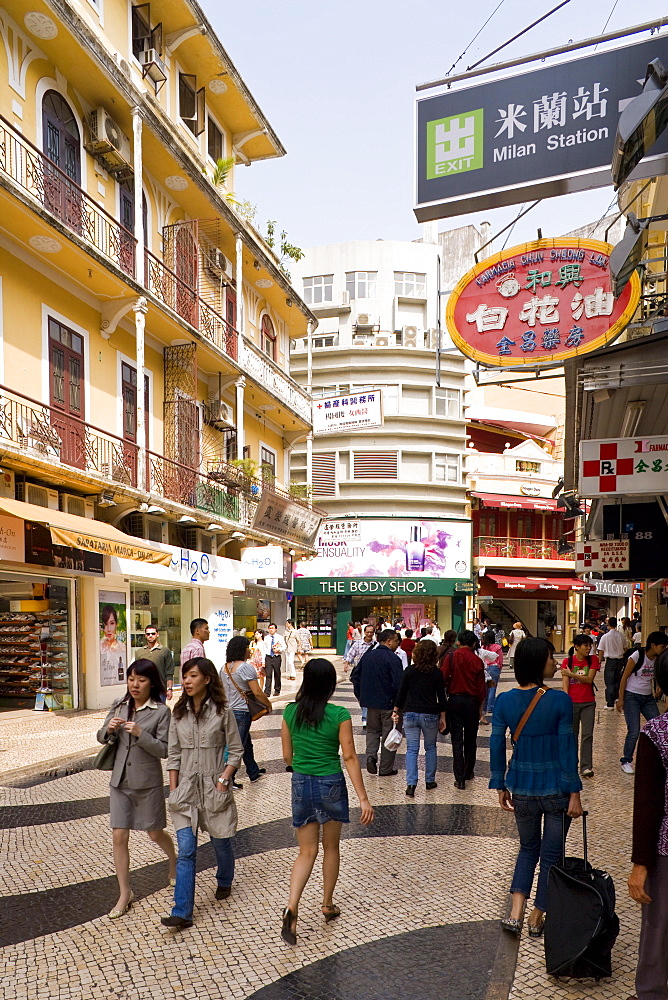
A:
{"points": [[398, 547]]}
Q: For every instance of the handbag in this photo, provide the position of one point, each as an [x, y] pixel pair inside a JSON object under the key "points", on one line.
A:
{"points": [[525, 718], [256, 708], [106, 757]]}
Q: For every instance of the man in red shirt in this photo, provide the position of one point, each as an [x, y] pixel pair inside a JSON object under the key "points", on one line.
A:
{"points": [[464, 674], [408, 644]]}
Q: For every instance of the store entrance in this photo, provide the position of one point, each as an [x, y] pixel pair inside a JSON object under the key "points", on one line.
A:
{"points": [[413, 615], [318, 614]]}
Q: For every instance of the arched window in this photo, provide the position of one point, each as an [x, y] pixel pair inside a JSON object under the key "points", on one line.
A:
{"points": [[61, 135], [268, 337]]}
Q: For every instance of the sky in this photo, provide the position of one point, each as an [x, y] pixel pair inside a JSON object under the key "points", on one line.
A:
{"points": [[337, 82]]}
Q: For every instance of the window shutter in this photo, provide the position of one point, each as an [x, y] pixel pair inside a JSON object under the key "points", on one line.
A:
{"points": [[200, 111], [375, 465], [324, 475]]}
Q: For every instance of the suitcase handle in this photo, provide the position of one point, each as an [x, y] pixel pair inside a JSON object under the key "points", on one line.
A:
{"points": [[585, 813]]}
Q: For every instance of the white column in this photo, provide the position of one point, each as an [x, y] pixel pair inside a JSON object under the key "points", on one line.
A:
{"points": [[239, 276], [309, 460], [309, 356], [239, 415], [140, 235], [140, 308]]}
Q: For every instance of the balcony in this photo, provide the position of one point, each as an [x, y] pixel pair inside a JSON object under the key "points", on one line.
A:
{"points": [[52, 190], [270, 377], [501, 550]]}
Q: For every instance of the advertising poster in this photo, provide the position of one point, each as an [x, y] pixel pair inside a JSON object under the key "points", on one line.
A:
{"points": [[412, 615], [113, 637], [337, 414], [263, 613], [398, 547]]}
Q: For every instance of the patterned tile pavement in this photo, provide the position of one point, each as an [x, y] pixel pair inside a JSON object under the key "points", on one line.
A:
{"points": [[428, 880]]}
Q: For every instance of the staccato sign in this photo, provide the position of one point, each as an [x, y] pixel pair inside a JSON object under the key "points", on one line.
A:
{"points": [[538, 304]]}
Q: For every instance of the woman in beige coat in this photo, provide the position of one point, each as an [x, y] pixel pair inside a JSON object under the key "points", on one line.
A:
{"points": [[200, 782], [138, 725]]}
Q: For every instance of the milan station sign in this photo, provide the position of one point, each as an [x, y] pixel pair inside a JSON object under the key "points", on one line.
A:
{"points": [[536, 134], [536, 305]]}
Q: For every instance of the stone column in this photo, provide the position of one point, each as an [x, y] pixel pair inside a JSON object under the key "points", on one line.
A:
{"points": [[140, 308], [240, 385], [239, 276], [309, 460], [138, 193]]}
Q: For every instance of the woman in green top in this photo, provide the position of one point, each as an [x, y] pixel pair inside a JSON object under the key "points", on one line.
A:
{"points": [[311, 733]]}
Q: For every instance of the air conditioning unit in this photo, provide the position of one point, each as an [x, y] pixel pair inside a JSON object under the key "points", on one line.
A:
{"points": [[7, 487], [152, 66], [41, 496], [109, 143], [366, 319], [220, 414], [198, 540], [216, 263], [143, 526], [80, 506], [409, 336], [384, 340]]}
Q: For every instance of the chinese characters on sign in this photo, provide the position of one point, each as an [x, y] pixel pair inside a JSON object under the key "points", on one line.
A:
{"points": [[539, 304], [286, 520], [340, 531], [629, 466], [604, 556], [335, 414]]}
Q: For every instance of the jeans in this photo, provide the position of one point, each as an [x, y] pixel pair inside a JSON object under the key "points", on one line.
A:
{"points": [[414, 724], [494, 672], [272, 667], [464, 717], [584, 713], [530, 811], [634, 704], [364, 711], [349, 643], [612, 675], [243, 725], [184, 891], [378, 725]]}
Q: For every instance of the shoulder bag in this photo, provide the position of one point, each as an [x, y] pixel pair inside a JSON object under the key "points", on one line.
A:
{"points": [[256, 708], [525, 718], [106, 756]]}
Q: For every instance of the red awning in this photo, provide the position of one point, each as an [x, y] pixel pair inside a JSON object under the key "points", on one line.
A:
{"points": [[517, 503], [539, 582]]}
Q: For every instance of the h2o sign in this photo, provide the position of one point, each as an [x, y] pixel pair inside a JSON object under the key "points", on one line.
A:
{"points": [[197, 567], [264, 562]]}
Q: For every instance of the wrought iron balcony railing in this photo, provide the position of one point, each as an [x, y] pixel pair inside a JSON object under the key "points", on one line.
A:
{"points": [[191, 488], [59, 194], [487, 547]]}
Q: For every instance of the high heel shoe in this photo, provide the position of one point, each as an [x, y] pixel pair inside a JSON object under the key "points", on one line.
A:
{"points": [[512, 925], [172, 882], [330, 912], [287, 933], [115, 914], [536, 930]]}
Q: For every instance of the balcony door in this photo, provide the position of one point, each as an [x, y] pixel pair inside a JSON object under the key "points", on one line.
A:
{"points": [[62, 147], [129, 402], [66, 379], [126, 235]]}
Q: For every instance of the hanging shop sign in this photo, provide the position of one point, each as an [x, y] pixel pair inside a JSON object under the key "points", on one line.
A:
{"points": [[631, 465], [186, 567], [373, 587], [12, 538], [287, 520], [262, 561], [605, 556], [611, 589], [538, 304], [336, 414], [535, 134]]}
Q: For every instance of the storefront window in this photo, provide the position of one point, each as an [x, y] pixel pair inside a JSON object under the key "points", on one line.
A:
{"points": [[413, 613], [169, 609], [35, 640], [319, 617]]}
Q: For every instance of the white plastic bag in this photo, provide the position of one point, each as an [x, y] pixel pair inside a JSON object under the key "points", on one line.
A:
{"points": [[393, 739]]}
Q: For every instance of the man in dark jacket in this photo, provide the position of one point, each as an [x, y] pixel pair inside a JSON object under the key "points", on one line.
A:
{"points": [[376, 683]]}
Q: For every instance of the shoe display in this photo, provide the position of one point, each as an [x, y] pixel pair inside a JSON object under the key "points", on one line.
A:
{"points": [[223, 892], [410, 791], [627, 767]]}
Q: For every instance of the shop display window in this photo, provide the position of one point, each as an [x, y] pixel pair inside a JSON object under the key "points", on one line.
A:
{"points": [[168, 609], [35, 640], [319, 617]]}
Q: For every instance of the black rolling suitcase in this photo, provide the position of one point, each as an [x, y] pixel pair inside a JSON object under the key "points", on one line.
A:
{"points": [[581, 925]]}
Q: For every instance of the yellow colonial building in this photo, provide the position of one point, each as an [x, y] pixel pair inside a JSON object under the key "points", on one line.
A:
{"points": [[145, 325]]}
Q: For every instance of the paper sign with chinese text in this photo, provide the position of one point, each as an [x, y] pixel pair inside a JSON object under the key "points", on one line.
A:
{"points": [[288, 521], [603, 556], [538, 304], [352, 412], [629, 466]]}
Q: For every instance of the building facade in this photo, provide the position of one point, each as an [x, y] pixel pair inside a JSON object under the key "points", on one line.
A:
{"points": [[144, 359], [388, 486]]}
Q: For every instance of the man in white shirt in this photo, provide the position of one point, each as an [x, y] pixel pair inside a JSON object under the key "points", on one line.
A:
{"points": [[611, 645], [401, 653], [273, 647]]}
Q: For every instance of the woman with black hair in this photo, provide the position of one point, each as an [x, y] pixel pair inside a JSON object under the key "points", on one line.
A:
{"points": [[648, 881], [200, 782], [578, 673], [421, 700], [541, 783], [312, 731], [240, 677], [139, 725]]}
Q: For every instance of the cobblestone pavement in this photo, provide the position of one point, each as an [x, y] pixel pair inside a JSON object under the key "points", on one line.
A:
{"points": [[421, 890]]}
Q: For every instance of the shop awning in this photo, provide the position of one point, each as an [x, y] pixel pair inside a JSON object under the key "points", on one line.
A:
{"points": [[515, 502], [539, 582], [85, 533]]}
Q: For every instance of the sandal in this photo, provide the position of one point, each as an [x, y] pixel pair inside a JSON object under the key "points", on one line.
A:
{"points": [[536, 930], [287, 931], [512, 925], [330, 912]]}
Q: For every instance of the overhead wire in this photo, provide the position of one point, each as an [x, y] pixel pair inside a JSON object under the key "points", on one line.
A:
{"points": [[519, 34], [477, 34]]}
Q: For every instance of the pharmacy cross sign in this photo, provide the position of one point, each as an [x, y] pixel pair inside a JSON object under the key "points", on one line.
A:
{"points": [[538, 304], [628, 466]]}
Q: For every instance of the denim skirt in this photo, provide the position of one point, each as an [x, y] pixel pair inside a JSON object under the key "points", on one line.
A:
{"points": [[318, 798]]}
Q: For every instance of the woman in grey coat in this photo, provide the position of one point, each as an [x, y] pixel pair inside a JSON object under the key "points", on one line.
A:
{"points": [[139, 725], [200, 782]]}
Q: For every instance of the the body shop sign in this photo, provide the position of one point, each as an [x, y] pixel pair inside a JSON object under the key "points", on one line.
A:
{"points": [[536, 305]]}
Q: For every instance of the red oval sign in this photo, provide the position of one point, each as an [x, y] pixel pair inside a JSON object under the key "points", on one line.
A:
{"points": [[538, 304]]}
